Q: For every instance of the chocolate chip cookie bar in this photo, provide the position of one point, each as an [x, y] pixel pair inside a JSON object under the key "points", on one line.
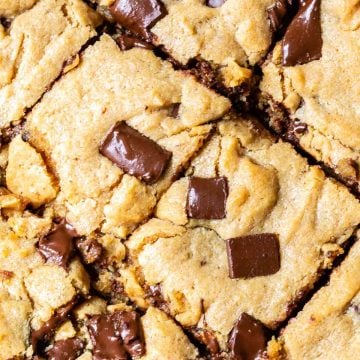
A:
{"points": [[242, 237], [34, 45], [116, 130], [328, 327], [308, 85], [219, 40]]}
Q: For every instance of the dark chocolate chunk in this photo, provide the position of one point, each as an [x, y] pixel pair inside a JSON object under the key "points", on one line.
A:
{"points": [[173, 110], [276, 14], [247, 340], [206, 198], [68, 349], [134, 153], [116, 335], [253, 255], [89, 249], [57, 246], [42, 335], [138, 16], [215, 3], [302, 42], [295, 129], [128, 42]]}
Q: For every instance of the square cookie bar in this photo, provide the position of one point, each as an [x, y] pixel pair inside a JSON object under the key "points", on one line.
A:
{"points": [[242, 237], [328, 326], [310, 87], [115, 131], [34, 46], [225, 37]]}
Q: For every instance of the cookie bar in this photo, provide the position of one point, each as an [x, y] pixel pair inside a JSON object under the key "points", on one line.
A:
{"points": [[41, 279], [34, 47], [115, 131], [308, 86], [225, 38], [328, 326], [242, 237]]}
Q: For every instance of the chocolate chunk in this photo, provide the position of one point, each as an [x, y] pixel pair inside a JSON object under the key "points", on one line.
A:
{"points": [[116, 335], [89, 249], [247, 340], [276, 14], [46, 331], [253, 255], [302, 42], [68, 349], [134, 153], [155, 297], [139, 16], [206, 198], [57, 246], [128, 42], [215, 3], [173, 110]]}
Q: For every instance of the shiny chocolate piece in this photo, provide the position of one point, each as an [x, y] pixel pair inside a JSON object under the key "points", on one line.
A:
{"points": [[68, 349], [215, 3], [134, 153], [276, 14], [42, 335], [116, 335], [247, 340], [302, 42], [57, 246], [253, 255], [206, 198], [139, 16], [129, 42]]}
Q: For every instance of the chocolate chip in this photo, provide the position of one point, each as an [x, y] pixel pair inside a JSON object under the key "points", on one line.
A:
{"points": [[89, 249], [128, 42], [116, 335], [215, 3], [68, 349], [57, 246], [173, 110], [207, 338], [253, 255], [155, 297], [302, 42], [276, 14], [134, 153], [46, 331], [247, 340], [139, 16], [295, 129], [206, 198]]}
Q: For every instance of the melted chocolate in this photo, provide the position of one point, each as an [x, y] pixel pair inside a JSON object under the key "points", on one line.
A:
{"points": [[207, 198], [302, 42], [134, 153], [128, 42], [57, 246], [139, 16], [116, 335], [253, 255], [247, 340], [46, 331], [68, 349]]}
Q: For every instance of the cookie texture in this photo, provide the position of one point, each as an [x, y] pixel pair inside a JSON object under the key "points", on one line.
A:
{"points": [[34, 48], [328, 326], [321, 107], [146, 212], [71, 123], [287, 206]]}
